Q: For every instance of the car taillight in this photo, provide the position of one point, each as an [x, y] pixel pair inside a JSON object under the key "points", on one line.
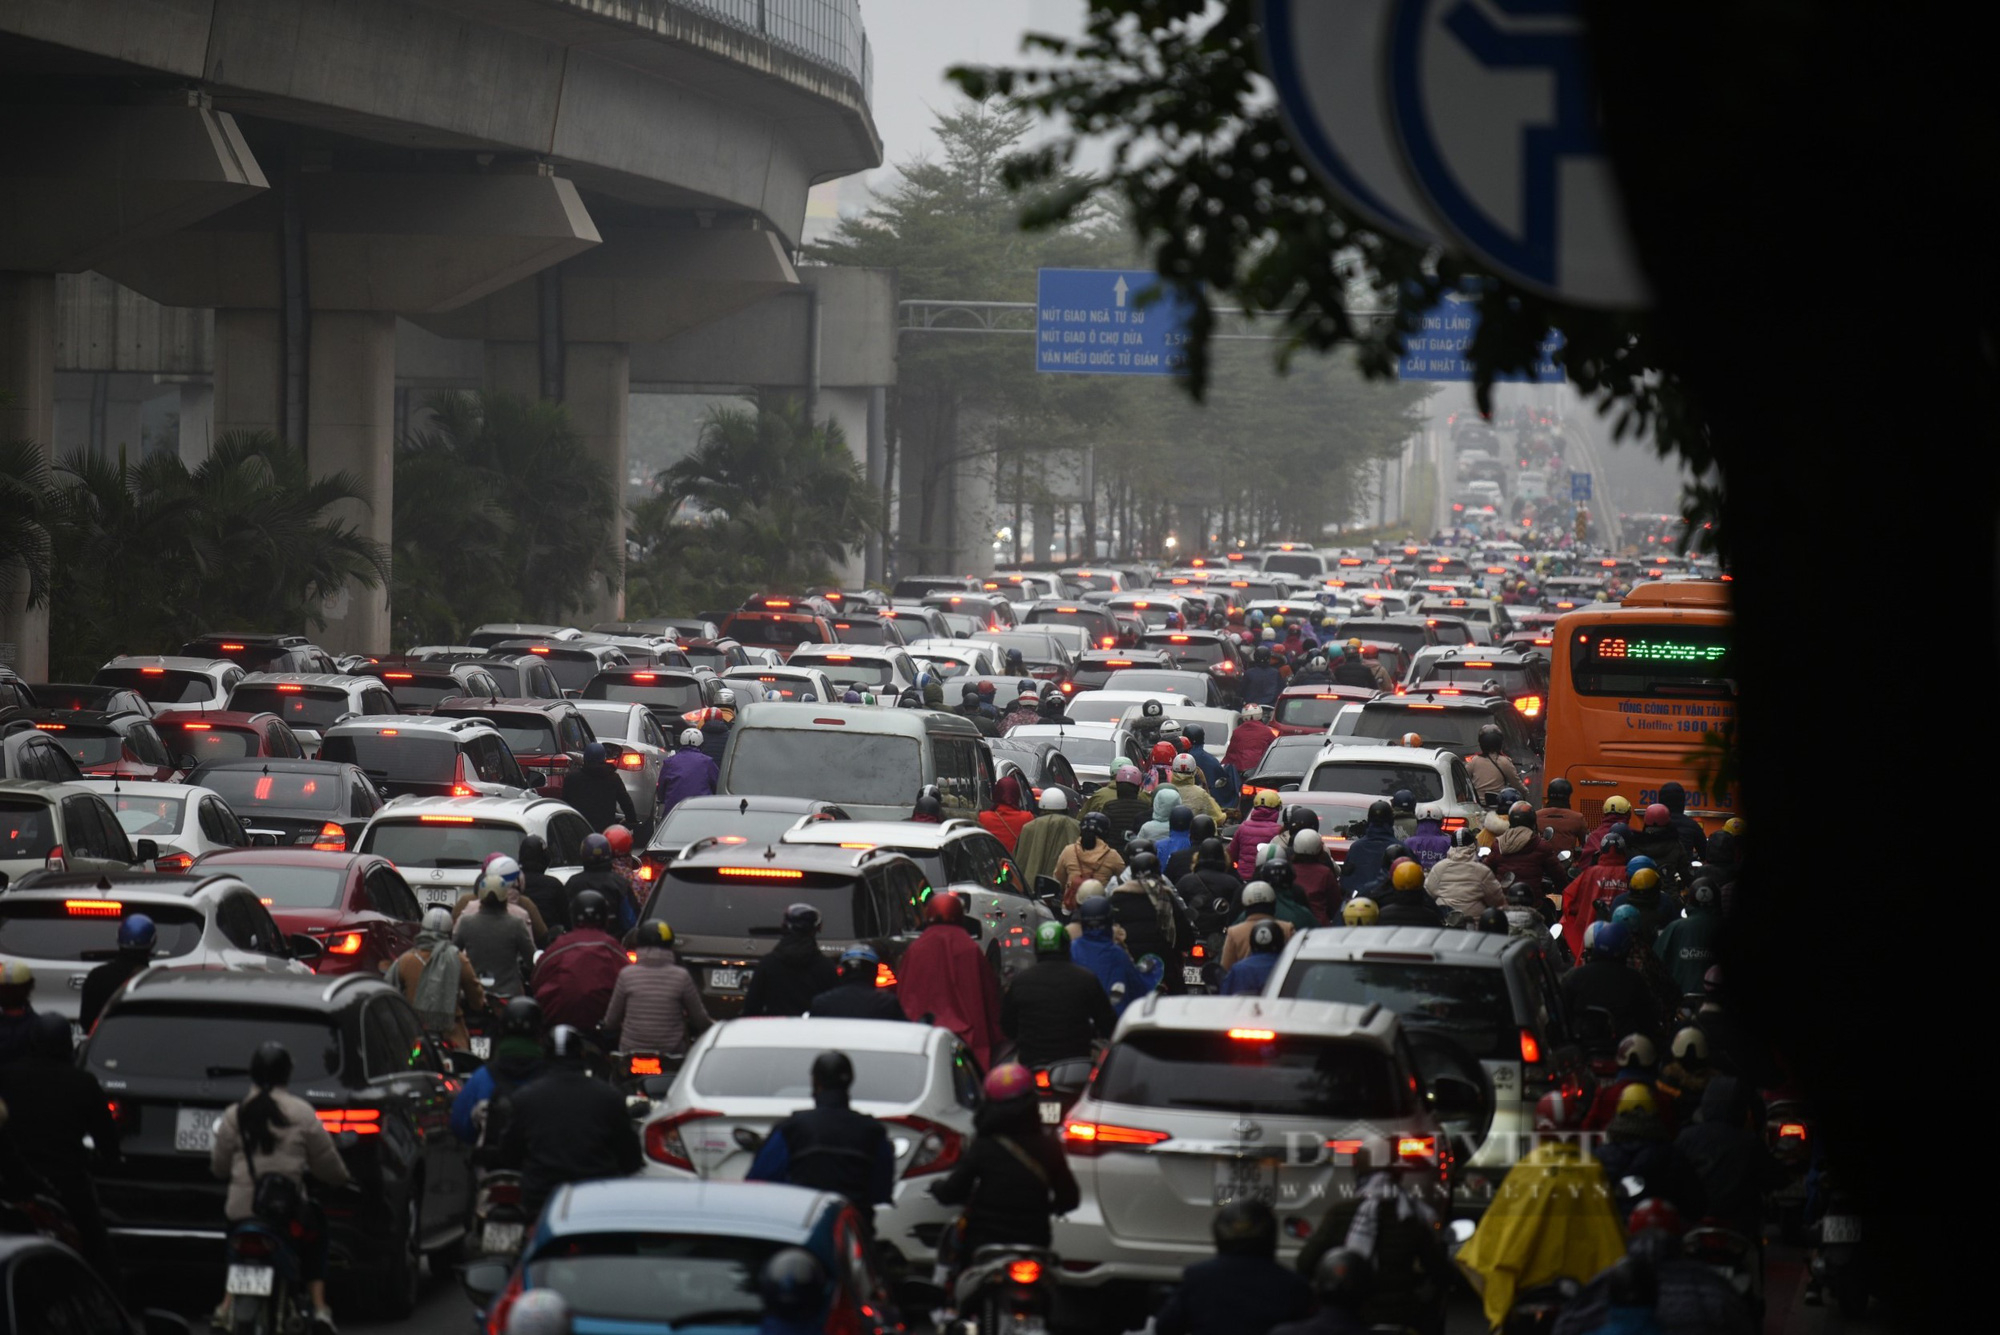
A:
{"points": [[1792, 1131], [459, 786], [347, 943], [1531, 1050], [1042, 1080], [643, 1065], [1089, 1139], [361, 1121], [647, 871], [55, 860], [174, 864], [663, 1139], [631, 760], [503, 1306], [332, 839], [1416, 1147], [1529, 705], [93, 908], [884, 975], [938, 1147], [1452, 823]]}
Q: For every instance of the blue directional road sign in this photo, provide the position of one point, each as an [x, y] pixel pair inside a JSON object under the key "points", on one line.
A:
{"points": [[1436, 351], [1579, 486], [1091, 322]]}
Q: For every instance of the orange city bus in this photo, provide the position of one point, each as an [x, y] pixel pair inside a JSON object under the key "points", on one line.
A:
{"points": [[1642, 692]]}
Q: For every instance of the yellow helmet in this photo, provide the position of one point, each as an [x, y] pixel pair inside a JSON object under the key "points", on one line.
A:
{"points": [[1636, 1097], [1615, 805], [1268, 797], [1360, 911], [1733, 826], [1354, 644], [1407, 874], [1644, 879], [1276, 619]]}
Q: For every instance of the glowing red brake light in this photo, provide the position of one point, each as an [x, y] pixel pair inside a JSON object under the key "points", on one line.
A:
{"points": [[289, 688], [643, 1066], [884, 975], [631, 760], [232, 648], [1253, 1035], [1531, 1050], [1024, 1272], [1091, 1138], [361, 1121], [762, 873], [52, 727], [93, 908], [399, 676], [347, 943], [332, 839], [1792, 1131], [1416, 1147]]}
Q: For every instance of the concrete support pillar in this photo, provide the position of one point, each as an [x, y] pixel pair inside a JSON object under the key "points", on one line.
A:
{"points": [[1043, 516], [849, 410], [350, 428], [249, 371], [28, 374], [197, 409], [597, 388], [876, 565], [514, 369]]}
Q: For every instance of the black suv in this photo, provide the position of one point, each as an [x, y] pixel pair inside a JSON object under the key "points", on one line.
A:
{"points": [[173, 1051], [258, 651]]}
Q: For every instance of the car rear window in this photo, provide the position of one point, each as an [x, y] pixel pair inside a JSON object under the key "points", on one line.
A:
{"points": [[1467, 1002], [1293, 1075], [160, 686], [1170, 682], [253, 657], [394, 756], [707, 901], [1314, 711], [526, 734], [1294, 563], [786, 1073], [27, 829], [83, 929], [846, 670], [793, 689], [209, 1044], [713, 659], [775, 628], [685, 824], [835, 764], [442, 841], [1507, 676], [1412, 638], [420, 690], [301, 706], [1097, 623], [247, 790], [208, 741], [863, 632], [88, 744], [290, 887], [657, 692], [572, 668], [657, 1280], [1186, 651], [145, 817], [1454, 729], [1378, 776]]}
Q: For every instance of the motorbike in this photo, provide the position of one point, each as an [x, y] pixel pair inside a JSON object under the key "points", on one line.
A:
{"points": [[1733, 1256], [1006, 1290], [266, 1286], [644, 1076], [499, 1224], [1059, 1085], [1840, 1261]]}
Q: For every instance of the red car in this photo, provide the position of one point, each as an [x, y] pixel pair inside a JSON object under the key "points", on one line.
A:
{"points": [[356, 905], [193, 736]]}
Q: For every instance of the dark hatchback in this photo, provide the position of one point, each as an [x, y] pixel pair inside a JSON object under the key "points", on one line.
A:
{"points": [[172, 1052], [320, 804]]}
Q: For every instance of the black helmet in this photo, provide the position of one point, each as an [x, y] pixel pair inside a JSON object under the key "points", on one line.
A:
{"points": [[1495, 921], [1300, 817], [522, 1017], [1398, 849], [1266, 937], [1521, 894], [1211, 852], [1404, 800], [1202, 829], [591, 907], [1615, 840], [1195, 733], [1343, 1279], [968, 693], [1521, 815], [1506, 798], [1097, 823], [832, 1070], [792, 1284], [928, 806], [1558, 791], [1262, 654], [567, 1043], [1245, 1228], [1465, 836], [1094, 912], [1380, 812], [1146, 863], [596, 852], [1134, 847], [1491, 739], [534, 854], [270, 1064], [1277, 871]]}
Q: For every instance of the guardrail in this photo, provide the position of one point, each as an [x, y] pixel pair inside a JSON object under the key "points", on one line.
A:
{"points": [[826, 32]]}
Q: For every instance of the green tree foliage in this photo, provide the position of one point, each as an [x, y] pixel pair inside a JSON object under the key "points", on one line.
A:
{"points": [[768, 500], [501, 515], [1206, 175], [150, 554], [27, 502]]}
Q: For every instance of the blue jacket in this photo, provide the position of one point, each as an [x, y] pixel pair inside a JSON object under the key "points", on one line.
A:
{"points": [[1366, 869], [1248, 976], [1261, 684], [1097, 952]]}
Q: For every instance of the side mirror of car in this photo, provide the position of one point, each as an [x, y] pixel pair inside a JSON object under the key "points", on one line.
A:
{"points": [[146, 850], [482, 1282], [303, 948]]}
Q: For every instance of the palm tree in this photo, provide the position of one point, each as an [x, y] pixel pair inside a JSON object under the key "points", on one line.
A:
{"points": [[27, 503]]}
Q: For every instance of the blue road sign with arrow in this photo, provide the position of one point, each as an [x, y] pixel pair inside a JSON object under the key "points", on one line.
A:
{"points": [[1579, 486], [1104, 322]]}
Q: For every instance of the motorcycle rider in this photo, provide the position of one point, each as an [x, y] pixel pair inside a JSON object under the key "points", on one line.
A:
{"points": [[1261, 680], [1403, 806], [1090, 858], [1636, 1145], [1209, 767], [1026, 709], [518, 904], [1208, 880], [1152, 916], [1367, 864], [1249, 974], [1687, 1074], [1055, 1009], [517, 1058], [1688, 946], [1009, 815], [943, 979], [1430, 843], [1126, 808], [1657, 839], [655, 1005], [1200, 830], [577, 975], [549, 896], [1186, 776], [1166, 801], [274, 1132], [786, 980], [1387, 1226], [716, 721], [1606, 981], [438, 980], [598, 874], [500, 945], [1043, 839], [1263, 824], [1571, 829], [688, 772], [1260, 904], [1179, 821], [1617, 818], [52, 1104], [1490, 768], [830, 1147], [858, 995], [1098, 951], [1604, 880], [596, 791], [1464, 884], [793, 1285], [972, 706], [1521, 852], [1248, 741], [137, 936], [1673, 796], [1408, 904], [1242, 1288], [566, 1126], [1725, 1146], [1342, 1283], [1291, 907], [1353, 669], [1314, 876]]}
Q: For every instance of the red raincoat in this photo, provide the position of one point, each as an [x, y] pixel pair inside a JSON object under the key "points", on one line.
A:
{"points": [[574, 978], [944, 975]]}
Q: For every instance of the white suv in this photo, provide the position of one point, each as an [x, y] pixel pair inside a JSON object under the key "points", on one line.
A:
{"points": [[885, 672], [1200, 1101], [311, 702], [1438, 778], [170, 682], [440, 843]]}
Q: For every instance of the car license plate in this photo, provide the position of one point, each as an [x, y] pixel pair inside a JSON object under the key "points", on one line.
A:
{"points": [[1051, 1112], [482, 1046], [1839, 1228], [438, 895], [1191, 975], [727, 980], [501, 1239], [1245, 1179], [252, 1281], [194, 1131]]}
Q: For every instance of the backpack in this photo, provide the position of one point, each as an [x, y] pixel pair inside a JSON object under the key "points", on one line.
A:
{"points": [[274, 1197]]}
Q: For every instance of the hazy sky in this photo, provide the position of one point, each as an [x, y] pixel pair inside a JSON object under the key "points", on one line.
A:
{"points": [[915, 40]]}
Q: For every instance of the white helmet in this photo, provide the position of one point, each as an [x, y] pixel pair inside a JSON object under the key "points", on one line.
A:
{"points": [[492, 885], [1635, 1050], [1184, 763], [1054, 799], [1306, 844], [437, 919], [691, 737], [539, 1312], [1259, 892], [506, 869], [1690, 1043], [725, 698], [1169, 729]]}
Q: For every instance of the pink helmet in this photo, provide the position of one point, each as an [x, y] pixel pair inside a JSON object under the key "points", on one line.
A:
{"points": [[1657, 815], [1009, 1080]]}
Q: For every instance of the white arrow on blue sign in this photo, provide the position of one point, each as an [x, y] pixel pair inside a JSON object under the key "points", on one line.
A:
{"points": [[1579, 486], [1101, 322]]}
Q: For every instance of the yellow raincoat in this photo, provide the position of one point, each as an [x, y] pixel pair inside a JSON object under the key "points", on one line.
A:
{"points": [[1552, 1217]]}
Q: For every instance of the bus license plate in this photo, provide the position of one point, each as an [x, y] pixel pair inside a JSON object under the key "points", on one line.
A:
{"points": [[194, 1130], [1245, 1179], [252, 1281], [727, 980]]}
